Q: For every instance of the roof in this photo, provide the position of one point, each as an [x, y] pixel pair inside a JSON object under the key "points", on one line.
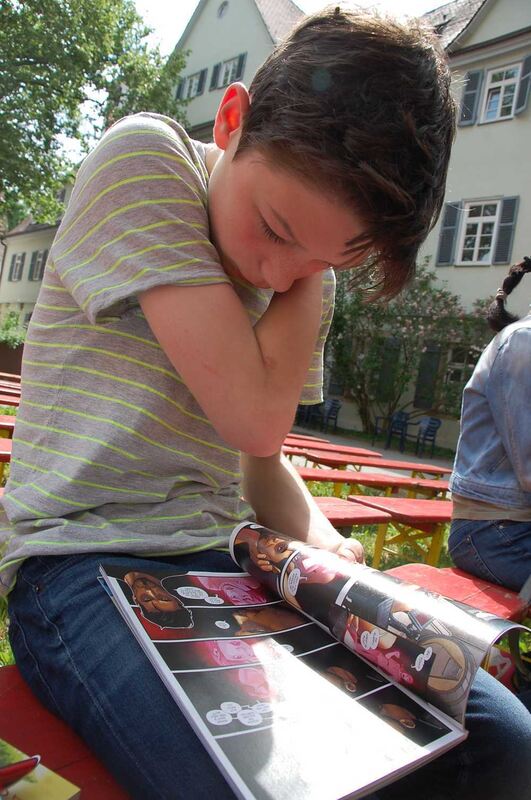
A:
{"points": [[453, 19], [279, 16], [28, 226]]}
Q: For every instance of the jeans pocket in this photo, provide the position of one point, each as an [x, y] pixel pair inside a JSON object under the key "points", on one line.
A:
{"points": [[39, 571], [466, 556]]}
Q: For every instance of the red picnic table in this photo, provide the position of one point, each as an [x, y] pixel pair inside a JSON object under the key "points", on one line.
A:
{"points": [[329, 447], [373, 480], [7, 425], [343, 461], [9, 376], [26, 724], [9, 399], [299, 437], [342, 514], [413, 519]]}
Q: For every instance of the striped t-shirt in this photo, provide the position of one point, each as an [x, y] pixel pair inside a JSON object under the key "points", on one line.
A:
{"points": [[111, 451]]}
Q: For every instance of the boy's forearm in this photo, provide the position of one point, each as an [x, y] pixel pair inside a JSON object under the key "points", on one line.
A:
{"points": [[282, 502], [248, 381]]}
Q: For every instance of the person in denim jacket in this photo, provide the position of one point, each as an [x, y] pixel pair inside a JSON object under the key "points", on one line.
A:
{"points": [[491, 483]]}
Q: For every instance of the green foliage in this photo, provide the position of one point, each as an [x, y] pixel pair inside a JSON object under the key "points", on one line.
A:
{"points": [[376, 348], [69, 68], [11, 332]]}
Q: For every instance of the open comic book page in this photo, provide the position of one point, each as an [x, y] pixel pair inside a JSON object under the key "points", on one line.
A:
{"points": [[273, 697], [431, 645]]}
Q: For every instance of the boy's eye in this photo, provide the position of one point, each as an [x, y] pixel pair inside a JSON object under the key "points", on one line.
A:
{"points": [[271, 234]]}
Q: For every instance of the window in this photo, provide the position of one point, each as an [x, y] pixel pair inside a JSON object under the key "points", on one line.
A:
{"points": [[27, 319], [37, 264], [222, 9], [500, 93], [505, 94], [17, 266], [191, 86], [477, 233], [227, 72]]}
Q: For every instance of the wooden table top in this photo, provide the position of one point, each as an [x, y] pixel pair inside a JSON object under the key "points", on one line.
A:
{"points": [[338, 460], [408, 509], [342, 513]]}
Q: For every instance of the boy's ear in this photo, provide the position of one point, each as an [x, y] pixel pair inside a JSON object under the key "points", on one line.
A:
{"points": [[230, 114]]}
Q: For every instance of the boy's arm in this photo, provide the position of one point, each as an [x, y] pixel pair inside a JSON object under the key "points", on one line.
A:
{"points": [[247, 380], [282, 502]]}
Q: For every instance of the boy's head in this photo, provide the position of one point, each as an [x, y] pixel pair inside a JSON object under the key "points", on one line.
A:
{"points": [[357, 107]]}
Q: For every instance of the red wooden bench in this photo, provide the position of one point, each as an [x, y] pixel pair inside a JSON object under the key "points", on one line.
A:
{"points": [[7, 425], [9, 399], [26, 724], [413, 520], [340, 461], [373, 480], [342, 514], [328, 447]]}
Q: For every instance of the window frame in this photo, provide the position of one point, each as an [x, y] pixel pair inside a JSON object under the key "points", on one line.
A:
{"points": [[195, 76], [233, 71], [462, 234], [17, 269], [483, 120], [36, 270]]}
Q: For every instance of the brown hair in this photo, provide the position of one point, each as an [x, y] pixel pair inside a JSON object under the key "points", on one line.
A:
{"points": [[497, 316], [361, 106]]}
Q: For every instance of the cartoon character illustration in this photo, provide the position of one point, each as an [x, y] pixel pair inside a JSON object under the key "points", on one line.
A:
{"points": [[157, 604]]}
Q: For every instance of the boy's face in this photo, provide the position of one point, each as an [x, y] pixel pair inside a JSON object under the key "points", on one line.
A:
{"points": [[270, 227]]}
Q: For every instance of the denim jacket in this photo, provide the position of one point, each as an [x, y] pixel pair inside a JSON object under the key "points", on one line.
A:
{"points": [[493, 460]]}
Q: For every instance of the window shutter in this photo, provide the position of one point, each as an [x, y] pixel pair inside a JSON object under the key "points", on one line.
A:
{"points": [[21, 268], [470, 99], [202, 80], [215, 76], [427, 377], [32, 265], [44, 260], [448, 234], [179, 90], [523, 89], [12, 266], [241, 66], [507, 224]]}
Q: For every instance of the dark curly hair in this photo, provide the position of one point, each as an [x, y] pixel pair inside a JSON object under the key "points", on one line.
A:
{"points": [[497, 316], [360, 106]]}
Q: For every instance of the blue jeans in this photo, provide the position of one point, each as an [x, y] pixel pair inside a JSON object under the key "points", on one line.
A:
{"points": [[495, 550], [83, 663]]}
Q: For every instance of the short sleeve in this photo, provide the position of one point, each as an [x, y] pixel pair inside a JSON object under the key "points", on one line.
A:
{"points": [[137, 218], [313, 388]]}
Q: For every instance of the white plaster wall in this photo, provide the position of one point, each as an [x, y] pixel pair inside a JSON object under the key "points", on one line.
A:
{"points": [[213, 40], [490, 160], [23, 291], [498, 18]]}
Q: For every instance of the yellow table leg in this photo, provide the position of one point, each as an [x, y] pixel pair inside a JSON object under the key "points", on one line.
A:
{"points": [[381, 533]]}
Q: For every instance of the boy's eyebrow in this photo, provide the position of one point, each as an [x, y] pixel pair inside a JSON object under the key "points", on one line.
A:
{"points": [[290, 233]]}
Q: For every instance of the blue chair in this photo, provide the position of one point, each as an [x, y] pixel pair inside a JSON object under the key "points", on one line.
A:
{"points": [[397, 426], [325, 413], [428, 427]]}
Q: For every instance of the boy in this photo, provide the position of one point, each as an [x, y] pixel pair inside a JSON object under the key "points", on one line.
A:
{"points": [[173, 333]]}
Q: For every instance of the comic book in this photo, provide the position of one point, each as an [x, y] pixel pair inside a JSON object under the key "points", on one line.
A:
{"points": [[23, 777], [306, 675]]}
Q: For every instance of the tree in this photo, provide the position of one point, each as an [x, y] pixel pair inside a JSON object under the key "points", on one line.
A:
{"points": [[12, 333], [68, 68], [376, 349]]}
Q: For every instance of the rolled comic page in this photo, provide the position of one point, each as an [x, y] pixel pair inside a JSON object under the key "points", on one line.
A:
{"points": [[431, 645]]}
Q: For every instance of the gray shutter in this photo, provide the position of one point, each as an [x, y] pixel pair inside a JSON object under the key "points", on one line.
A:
{"points": [[427, 377], [22, 262], [215, 76], [241, 66], [470, 99], [507, 224], [12, 267], [179, 90], [448, 234], [523, 89], [202, 80], [32, 265]]}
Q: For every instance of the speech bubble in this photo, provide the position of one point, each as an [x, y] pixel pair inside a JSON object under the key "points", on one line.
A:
{"points": [[218, 717], [250, 717], [192, 592], [220, 623], [215, 600], [263, 708], [231, 708], [293, 581]]}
